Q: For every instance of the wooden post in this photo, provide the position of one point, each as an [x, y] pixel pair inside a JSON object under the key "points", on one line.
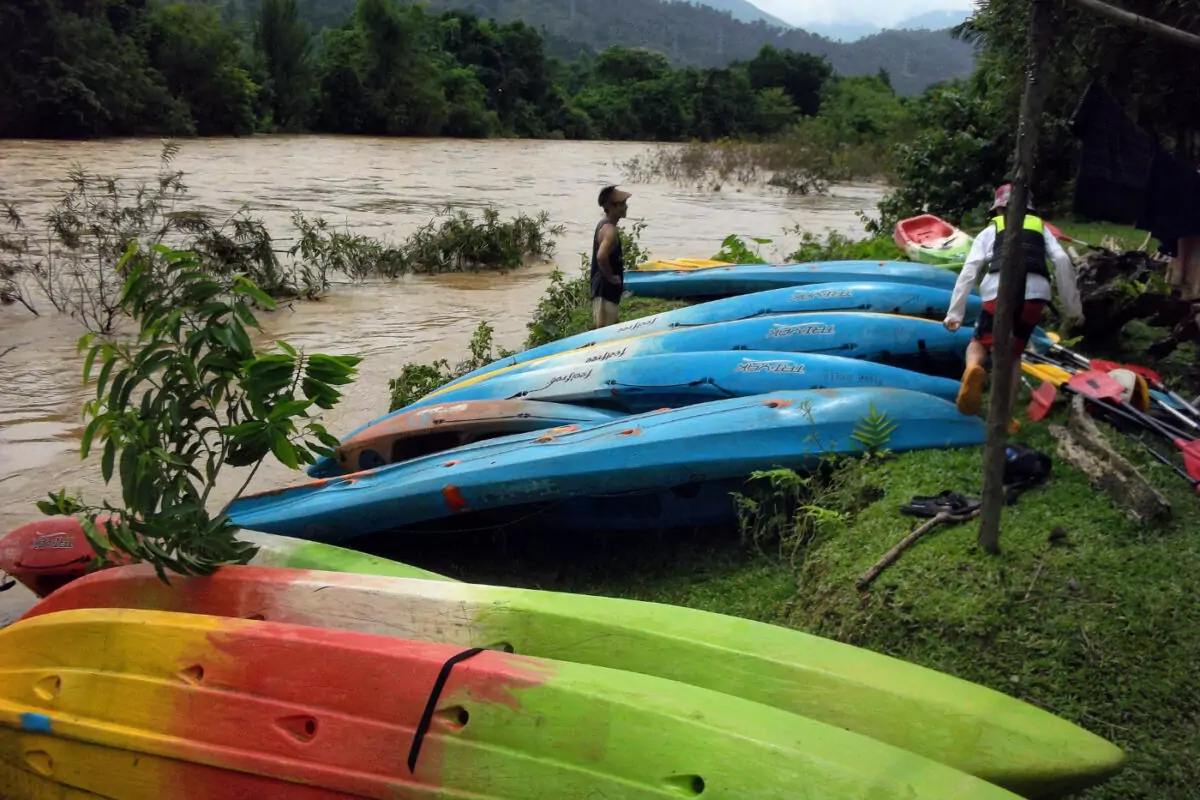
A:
{"points": [[1012, 283]]}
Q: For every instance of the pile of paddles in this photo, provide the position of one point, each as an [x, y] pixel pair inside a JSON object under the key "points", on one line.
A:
{"points": [[1131, 397]]}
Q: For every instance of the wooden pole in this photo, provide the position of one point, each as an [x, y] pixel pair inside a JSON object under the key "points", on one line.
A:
{"points": [[1012, 283], [1131, 20]]}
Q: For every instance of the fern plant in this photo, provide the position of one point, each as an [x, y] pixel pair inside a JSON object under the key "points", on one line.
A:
{"points": [[874, 431]]}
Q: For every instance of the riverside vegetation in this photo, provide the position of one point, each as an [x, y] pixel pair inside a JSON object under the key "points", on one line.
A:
{"points": [[74, 261]]}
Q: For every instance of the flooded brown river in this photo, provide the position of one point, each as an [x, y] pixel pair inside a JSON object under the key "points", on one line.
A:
{"points": [[380, 187]]}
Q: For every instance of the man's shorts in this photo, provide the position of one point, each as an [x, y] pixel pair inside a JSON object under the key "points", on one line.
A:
{"points": [[604, 312], [1027, 318]]}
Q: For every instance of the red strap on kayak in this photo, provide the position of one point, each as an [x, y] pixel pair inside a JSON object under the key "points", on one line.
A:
{"points": [[431, 703]]}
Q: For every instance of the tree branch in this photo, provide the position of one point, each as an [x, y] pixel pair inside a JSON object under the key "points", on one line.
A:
{"points": [[1145, 24]]}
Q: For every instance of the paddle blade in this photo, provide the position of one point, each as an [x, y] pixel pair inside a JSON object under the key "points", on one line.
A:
{"points": [[1041, 400], [1191, 456], [1097, 385]]}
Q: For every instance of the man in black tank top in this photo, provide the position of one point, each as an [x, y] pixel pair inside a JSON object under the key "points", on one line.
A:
{"points": [[608, 259]]}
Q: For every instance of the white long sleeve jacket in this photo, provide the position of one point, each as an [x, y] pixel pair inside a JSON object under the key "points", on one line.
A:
{"points": [[1036, 287]]}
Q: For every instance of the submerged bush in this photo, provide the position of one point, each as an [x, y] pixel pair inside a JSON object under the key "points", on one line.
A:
{"points": [[75, 264]]}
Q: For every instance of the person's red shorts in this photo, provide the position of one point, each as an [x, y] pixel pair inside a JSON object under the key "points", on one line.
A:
{"points": [[1027, 318]]}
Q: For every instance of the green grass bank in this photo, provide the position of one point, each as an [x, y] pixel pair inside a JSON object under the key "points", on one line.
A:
{"points": [[1085, 612]]}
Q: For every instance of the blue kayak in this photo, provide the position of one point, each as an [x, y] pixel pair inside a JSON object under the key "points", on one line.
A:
{"points": [[889, 338], [644, 383], [747, 278], [716, 441], [883, 298]]}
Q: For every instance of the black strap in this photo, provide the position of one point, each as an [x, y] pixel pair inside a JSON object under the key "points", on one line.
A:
{"points": [[431, 704]]}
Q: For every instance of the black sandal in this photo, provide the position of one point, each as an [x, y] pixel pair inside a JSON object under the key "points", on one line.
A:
{"points": [[945, 503]]}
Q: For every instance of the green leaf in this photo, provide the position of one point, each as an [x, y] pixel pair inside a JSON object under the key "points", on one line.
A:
{"points": [[106, 461], [247, 287], [288, 409], [283, 449], [85, 443], [102, 380]]}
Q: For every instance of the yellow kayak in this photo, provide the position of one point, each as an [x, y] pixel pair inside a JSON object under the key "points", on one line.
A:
{"points": [[682, 263]]}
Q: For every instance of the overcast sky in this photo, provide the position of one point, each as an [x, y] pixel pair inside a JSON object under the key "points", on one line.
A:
{"points": [[881, 12]]}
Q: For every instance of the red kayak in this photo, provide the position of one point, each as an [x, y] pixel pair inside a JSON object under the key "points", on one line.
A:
{"points": [[931, 240]]}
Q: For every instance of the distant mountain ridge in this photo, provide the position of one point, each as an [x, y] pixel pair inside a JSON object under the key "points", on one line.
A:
{"points": [[703, 36], [744, 11], [852, 30]]}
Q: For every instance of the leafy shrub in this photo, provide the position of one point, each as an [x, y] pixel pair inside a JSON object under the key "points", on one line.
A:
{"points": [[189, 396]]}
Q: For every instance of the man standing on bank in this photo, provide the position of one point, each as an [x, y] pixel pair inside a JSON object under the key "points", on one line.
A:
{"points": [[1037, 245], [608, 259]]}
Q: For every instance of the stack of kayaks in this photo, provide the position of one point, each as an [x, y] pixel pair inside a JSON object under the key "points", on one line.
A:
{"points": [[707, 444], [670, 412], [272, 682]]}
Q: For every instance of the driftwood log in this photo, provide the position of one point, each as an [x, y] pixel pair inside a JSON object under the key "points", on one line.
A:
{"points": [[1082, 444]]}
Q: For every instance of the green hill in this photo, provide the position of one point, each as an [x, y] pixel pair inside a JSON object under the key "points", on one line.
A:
{"points": [[699, 35], [695, 35]]}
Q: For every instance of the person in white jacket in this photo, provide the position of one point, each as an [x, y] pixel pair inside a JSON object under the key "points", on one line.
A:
{"points": [[1037, 244]]}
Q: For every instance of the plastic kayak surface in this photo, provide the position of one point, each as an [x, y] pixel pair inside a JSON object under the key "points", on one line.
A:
{"points": [[682, 263], [645, 383], [431, 429], [149, 705], [932, 240], [977, 730], [887, 338], [876, 296], [746, 278], [712, 441], [48, 553]]}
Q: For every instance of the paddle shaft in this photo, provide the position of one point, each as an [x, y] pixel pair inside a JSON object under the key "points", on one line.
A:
{"points": [[1191, 422]]}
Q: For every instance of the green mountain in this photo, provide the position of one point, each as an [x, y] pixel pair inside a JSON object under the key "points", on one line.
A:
{"points": [[702, 36]]}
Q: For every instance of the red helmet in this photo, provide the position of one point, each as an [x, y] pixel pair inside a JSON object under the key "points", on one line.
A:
{"points": [[1004, 193]]}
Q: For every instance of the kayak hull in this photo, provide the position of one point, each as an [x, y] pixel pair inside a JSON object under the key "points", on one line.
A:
{"points": [[909, 342], [645, 383], [148, 705], [747, 278], [977, 730], [49, 553], [681, 263], [431, 429], [931, 240], [714, 441], [903, 299]]}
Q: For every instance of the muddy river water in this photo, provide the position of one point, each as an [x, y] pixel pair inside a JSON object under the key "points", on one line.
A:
{"points": [[380, 187]]}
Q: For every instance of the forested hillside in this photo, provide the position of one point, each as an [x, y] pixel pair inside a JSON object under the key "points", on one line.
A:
{"points": [[697, 35], [141, 67]]}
